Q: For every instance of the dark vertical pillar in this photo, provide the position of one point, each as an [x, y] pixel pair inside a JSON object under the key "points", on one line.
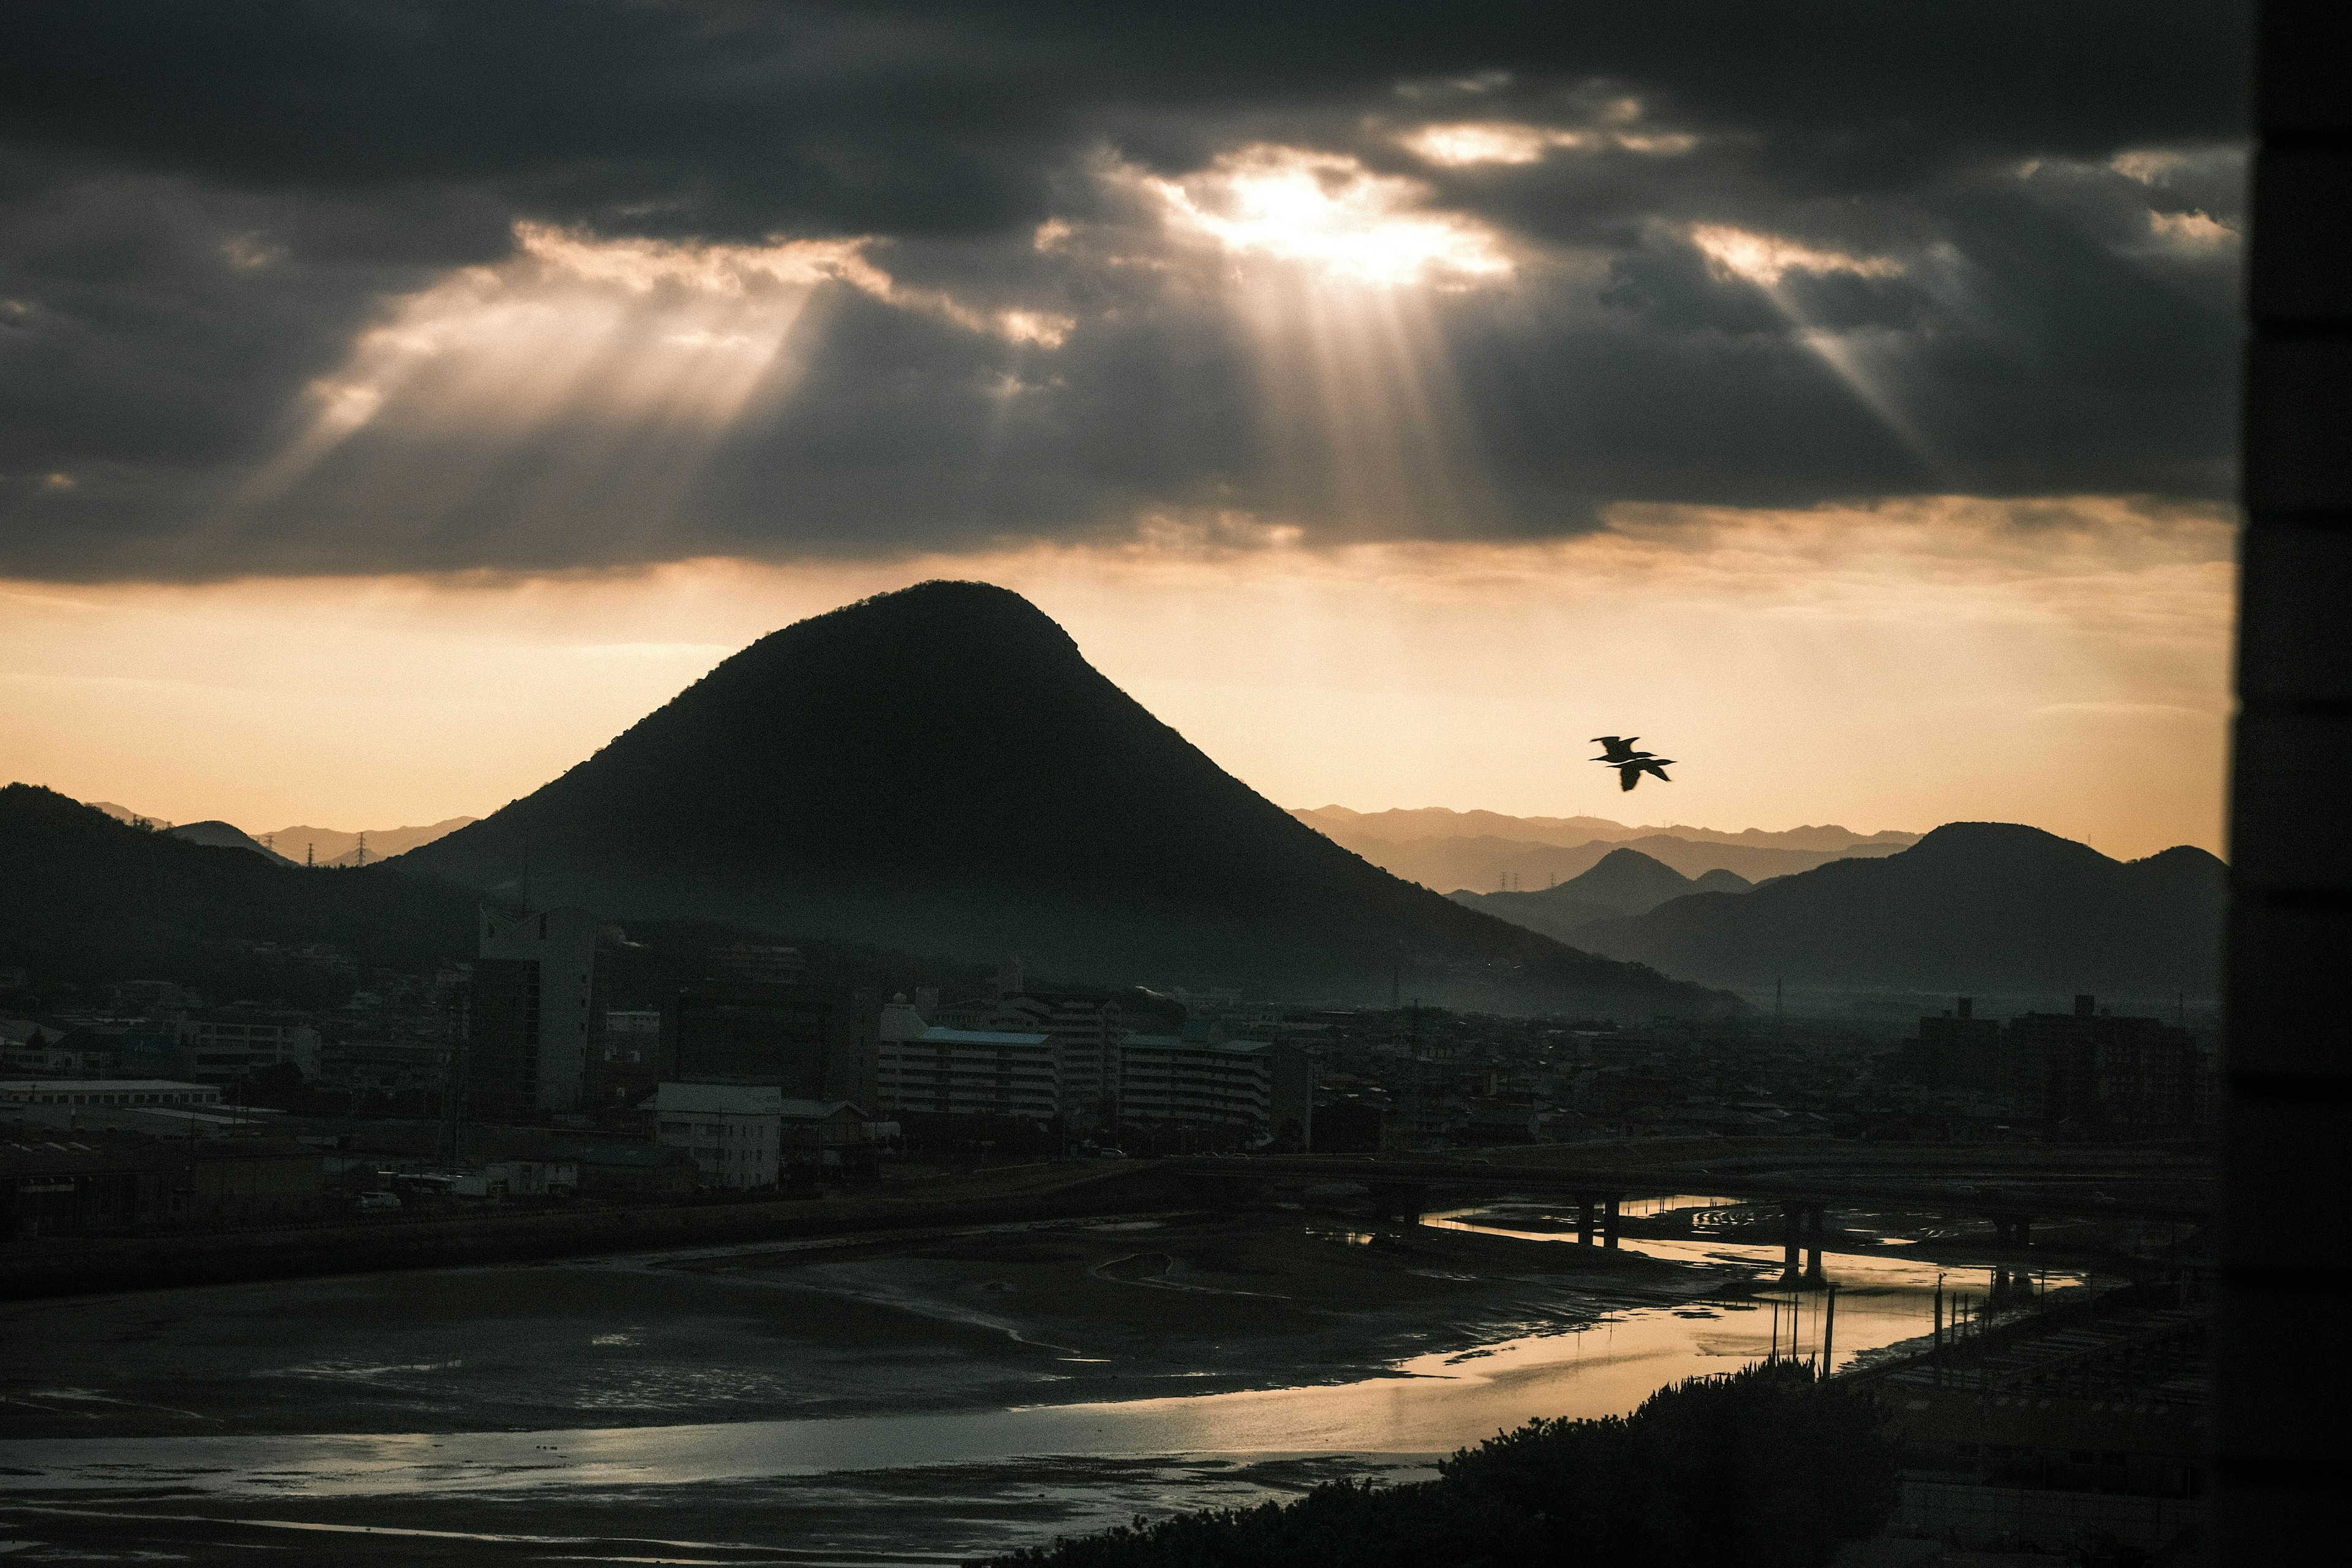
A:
{"points": [[1817, 1227], [2287, 1092], [1608, 1220], [2020, 1232], [1584, 1222], [1791, 1272]]}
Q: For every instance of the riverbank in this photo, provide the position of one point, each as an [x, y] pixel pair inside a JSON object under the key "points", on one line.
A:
{"points": [[902, 1396], [74, 1265]]}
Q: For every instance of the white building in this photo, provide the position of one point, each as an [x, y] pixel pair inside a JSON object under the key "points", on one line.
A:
{"points": [[225, 1047], [735, 1132], [922, 1067]]}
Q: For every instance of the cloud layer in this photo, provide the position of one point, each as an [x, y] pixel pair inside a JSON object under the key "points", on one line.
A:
{"points": [[295, 289]]}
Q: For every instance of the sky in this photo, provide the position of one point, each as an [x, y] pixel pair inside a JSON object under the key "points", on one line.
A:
{"points": [[398, 400]]}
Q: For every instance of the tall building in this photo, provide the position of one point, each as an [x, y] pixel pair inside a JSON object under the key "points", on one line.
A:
{"points": [[1196, 1076], [2122, 1074], [808, 1042], [926, 1068], [1085, 1029], [535, 1011]]}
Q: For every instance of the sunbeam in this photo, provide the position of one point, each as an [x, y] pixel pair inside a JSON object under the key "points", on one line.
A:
{"points": [[1766, 261], [1335, 273]]}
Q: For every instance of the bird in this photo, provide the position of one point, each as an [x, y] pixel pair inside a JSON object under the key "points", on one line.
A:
{"points": [[1619, 753], [1630, 773]]}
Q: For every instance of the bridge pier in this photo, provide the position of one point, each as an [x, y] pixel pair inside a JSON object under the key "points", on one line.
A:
{"points": [[1609, 1222], [1817, 1221], [1792, 1238], [1584, 1222], [1400, 1200]]}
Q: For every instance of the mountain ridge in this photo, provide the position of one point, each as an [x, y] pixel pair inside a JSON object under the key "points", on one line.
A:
{"points": [[1972, 907], [941, 769]]}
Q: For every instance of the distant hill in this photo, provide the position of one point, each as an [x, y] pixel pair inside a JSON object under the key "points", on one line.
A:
{"points": [[940, 770], [1973, 907], [124, 813], [341, 846], [91, 900], [1479, 862], [221, 836], [1624, 882], [1430, 823]]}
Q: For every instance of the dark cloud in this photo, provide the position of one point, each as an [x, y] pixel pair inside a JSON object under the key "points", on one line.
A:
{"points": [[204, 209]]}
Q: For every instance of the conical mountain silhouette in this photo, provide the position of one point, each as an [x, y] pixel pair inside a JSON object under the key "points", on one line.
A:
{"points": [[1983, 907], [940, 770]]}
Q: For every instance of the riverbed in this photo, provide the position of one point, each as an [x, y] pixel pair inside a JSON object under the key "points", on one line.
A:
{"points": [[878, 1400]]}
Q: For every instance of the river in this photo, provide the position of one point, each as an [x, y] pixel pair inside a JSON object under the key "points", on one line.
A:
{"points": [[927, 1486]]}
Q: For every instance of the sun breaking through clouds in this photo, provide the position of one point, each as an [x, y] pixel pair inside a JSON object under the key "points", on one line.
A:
{"points": [[848, 293]]}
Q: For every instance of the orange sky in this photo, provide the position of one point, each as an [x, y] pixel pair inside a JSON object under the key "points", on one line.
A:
{"points": [[2064, 664]]}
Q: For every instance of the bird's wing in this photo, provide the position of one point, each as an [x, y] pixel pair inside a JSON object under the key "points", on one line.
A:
{"points": [[1655, 765], [1629, 775]]}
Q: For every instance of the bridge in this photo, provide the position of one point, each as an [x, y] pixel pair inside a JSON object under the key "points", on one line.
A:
{"points": [[2011, 1185]]}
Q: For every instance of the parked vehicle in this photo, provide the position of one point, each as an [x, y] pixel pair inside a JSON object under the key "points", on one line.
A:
{"points": [[378, 1201]]}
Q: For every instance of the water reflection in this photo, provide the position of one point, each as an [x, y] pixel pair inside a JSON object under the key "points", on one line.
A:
{"points": [[1882, 1299], [1429, 1404]]}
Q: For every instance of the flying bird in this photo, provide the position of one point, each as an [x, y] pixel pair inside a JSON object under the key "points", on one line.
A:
{"points": [[1630, 773], [1619, 753]]}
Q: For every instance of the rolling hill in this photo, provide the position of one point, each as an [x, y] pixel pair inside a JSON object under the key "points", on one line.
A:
{"points": [[1477, 850], [1976, 906], [1624, 882], [938, 770]]}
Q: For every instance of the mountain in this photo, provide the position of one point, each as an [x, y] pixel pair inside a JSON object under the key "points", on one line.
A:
{"points": [[1429, 823], [339, 847], [1624, 882], [92, 899], [221, 836], [1976, 907], [940, 770], [1482, 861], [124, 813]]}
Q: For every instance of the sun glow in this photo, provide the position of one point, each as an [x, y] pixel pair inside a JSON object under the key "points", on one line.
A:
{"points": [[2062, 661], [1328, 212], [1764, 258], [1510, 142]]}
